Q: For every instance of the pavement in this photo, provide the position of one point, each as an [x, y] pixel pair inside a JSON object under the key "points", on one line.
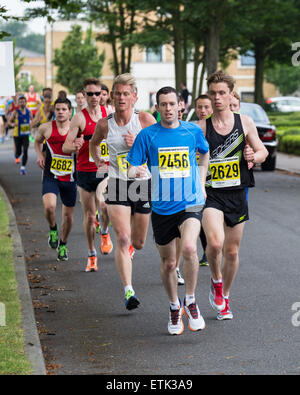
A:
{"points": [[33, 350]]}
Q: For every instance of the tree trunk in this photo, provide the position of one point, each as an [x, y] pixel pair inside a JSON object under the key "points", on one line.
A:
{"points": [[259, 74], [196, 67], [177, 36], [212, 47], [202, 77]]}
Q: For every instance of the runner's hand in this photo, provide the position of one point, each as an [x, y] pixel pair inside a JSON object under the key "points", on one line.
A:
{"points": [[129, 139], [41, 161], [249, 156]]}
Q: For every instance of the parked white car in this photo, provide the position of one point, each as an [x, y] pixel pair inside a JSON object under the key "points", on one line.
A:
{"points": [[284, 103]]}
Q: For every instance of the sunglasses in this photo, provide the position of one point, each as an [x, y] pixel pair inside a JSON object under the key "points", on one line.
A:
{"points": [[93, 93]]}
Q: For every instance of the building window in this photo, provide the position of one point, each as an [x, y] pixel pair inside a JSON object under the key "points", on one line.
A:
{"points": [[25, 75], [154, 55], [247, 97], [248, 59]]}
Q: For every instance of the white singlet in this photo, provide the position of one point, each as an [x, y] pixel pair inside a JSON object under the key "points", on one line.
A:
{"points": [[117, 146]]}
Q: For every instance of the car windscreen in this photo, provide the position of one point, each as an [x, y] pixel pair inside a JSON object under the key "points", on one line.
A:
{"points": [[255, 112]]}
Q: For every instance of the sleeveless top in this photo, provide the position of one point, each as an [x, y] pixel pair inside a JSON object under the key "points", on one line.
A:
{"points": [[85, 161], [228, 168], [58, 165], [117, 146], [22, 123], [32, 103]]}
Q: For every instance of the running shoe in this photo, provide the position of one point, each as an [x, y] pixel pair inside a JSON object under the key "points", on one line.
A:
{"points": [[106, 246], [131, 300], [97, 223], [131, 251], [53, 239], [216, 297], [91, 264], [175, 324], [180, 279], [192, 313], [17, 161], [203, 261], [225, 314], [62, 253], [23, 171], [31, 139]]}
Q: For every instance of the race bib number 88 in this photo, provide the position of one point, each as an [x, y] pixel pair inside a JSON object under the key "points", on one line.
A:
{"points": [[225, 172]]}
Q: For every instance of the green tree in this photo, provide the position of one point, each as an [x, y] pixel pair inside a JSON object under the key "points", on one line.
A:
{"points": [[268, 29], [285, 77], [23, 38], [77, 59]]}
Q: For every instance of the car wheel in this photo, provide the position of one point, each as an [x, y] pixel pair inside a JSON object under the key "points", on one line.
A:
{"points": [[269, 164]]}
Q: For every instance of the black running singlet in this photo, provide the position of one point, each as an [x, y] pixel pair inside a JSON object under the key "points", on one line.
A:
{"points": [[228, 168]]}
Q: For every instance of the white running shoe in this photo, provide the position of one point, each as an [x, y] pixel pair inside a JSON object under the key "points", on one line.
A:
{"points": [[180, 279], [196, 321], [175, 324]]}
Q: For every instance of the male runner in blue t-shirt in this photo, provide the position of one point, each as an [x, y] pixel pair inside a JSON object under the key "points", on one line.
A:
{"points": [[178, 196]]}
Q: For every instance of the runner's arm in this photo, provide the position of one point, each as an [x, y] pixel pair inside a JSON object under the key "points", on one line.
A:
{"points": [[256, 152], [73, 140], [36, 120], [203, 167], [38, 144], [11, 120], [146, 120], [101, 131]]}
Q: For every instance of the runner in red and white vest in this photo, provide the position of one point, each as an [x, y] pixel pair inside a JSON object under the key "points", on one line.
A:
{"points": [[88, 176], [33, 100], [58, 174]]}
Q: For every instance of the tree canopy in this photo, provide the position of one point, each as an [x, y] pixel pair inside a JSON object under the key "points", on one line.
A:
{"points": [[77, 59]]}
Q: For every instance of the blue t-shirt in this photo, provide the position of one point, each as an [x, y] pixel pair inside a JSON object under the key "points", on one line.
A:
{"points": [[171, 158]]}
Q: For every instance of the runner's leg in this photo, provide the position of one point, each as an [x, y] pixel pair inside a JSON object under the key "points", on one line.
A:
{"points": [[233, 237], [189, 231], [120, 217], [88, 202]]}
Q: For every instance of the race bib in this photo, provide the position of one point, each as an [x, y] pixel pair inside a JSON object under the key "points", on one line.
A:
{"points": [[24, 129], [122, 162], [174, 162], [104, 152], [61, 165], [225, 172]]}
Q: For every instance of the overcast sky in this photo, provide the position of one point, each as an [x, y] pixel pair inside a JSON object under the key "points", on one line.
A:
{"points": [[17, 8]]}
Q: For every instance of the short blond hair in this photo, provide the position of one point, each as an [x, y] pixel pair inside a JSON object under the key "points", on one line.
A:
{"points": [[221, 76], [236, 95], [125, 79]]}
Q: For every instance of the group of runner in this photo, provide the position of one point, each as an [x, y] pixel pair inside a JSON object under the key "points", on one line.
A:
{"points": [[180, 174]]}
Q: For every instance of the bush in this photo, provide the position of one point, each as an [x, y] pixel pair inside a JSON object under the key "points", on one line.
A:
{"points": [[290, 144], [287, 131]]}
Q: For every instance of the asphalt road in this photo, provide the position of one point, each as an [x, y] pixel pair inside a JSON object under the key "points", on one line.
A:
{"points": [[83, 324]]}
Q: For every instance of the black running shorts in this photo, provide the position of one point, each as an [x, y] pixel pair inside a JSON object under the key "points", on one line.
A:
{"points": [[233, 204], [135, 194], [66, 190], [166, 227], [89, 180]]}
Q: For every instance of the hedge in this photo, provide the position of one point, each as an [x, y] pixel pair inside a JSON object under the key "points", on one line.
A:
{"points": [[287, 131]]}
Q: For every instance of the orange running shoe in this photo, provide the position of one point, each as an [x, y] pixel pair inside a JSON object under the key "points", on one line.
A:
{"points": [[91, 264], [106, 246], [131, 251], [17, 160]]}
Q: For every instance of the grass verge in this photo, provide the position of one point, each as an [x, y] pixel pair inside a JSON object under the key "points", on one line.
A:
{"points": [[12, 356]]}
